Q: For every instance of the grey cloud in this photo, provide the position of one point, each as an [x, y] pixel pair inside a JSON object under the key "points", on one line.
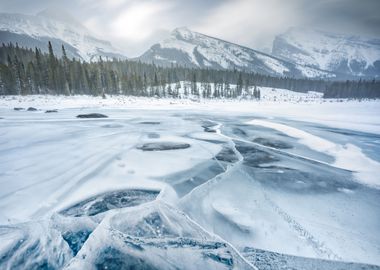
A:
{"points": [[133, 25]]}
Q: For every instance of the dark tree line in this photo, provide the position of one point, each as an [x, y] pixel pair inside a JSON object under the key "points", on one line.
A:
{"points": [[353, 89], [26, 71]]}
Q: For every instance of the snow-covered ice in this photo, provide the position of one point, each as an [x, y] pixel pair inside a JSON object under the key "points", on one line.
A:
{"points": [[167, 184]]}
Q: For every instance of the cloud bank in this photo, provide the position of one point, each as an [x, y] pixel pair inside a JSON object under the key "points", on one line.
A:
{"points": [[134, 25]]}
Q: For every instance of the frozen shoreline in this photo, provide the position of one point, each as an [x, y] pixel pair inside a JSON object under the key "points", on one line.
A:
{"points": [[350, 114]]}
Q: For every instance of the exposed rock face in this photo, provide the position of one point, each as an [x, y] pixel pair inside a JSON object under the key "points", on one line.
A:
{"points": [[196, 50], [92, 115], [347, 56]]}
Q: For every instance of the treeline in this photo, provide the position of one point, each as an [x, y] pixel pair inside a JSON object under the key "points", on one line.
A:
{"points": [[26, 71], [353, 89]]}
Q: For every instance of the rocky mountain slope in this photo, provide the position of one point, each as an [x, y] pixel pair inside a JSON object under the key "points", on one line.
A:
{"points": [[346, 56], [59, 28], [192, 49]]}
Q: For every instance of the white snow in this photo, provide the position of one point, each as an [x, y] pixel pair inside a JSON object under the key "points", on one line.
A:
{"points": [[89, 47], [326, 51], [203, 50], [350, 114]]}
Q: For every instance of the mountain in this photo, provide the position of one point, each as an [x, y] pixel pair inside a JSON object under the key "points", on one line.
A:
{"points": [[58, 27], [192, 49], [344, 55]]}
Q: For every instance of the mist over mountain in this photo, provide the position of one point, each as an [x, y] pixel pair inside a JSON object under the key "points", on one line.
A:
{"points": [[187, 48], [341, 54], [60, 28], [301, 53]]}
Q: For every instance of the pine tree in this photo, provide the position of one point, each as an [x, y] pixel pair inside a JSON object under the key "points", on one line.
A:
{"points": [[51, 69]]}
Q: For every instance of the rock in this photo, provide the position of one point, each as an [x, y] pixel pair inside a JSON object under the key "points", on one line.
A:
{"points": [[92, 115], [51, 111], [31, 109], [18, 109], [150, 123], [163, 146]]}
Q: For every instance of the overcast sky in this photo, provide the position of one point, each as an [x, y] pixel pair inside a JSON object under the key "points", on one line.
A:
{"points": [[134, 25]]}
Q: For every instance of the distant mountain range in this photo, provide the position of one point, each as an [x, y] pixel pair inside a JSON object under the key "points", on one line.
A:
{"points": [[57, 27], [343, 55], [192, 49], [296, 53]]}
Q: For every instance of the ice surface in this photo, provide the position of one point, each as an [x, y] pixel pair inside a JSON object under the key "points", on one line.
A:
{"points": [[267, 260], [110, 200], [253, 186], [155, 236], [346, 156]]}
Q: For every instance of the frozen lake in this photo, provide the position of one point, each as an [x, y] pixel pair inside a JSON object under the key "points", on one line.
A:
{"points": [[182, 188]]}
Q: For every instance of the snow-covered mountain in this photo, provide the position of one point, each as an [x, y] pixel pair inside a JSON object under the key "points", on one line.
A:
{"points": [[344, 55], [59, 28], [192, 49]]}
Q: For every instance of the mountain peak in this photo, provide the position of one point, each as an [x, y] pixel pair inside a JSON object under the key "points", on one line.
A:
{"points": [[344, 54], [183, 33], [58, 27], [192, 49]]}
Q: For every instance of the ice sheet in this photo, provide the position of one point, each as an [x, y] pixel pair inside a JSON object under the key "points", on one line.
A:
{"points": [[87, 187]]}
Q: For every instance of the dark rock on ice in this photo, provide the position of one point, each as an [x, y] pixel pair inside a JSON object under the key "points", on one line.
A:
{"points": [[150, 123], [163, 146], [92, 115], [18, 109], [31, 109], [51, 111]]}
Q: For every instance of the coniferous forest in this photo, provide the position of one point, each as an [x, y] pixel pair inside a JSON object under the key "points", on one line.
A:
{"points": [[27, 72]]}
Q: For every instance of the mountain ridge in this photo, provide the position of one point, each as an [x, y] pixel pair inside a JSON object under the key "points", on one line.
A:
{"points": [[32, 31], [194, 49], [298, 55], [342, 54]]}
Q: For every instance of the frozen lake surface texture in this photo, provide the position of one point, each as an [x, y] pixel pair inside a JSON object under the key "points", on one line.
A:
{"points": [[189, 186]]}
